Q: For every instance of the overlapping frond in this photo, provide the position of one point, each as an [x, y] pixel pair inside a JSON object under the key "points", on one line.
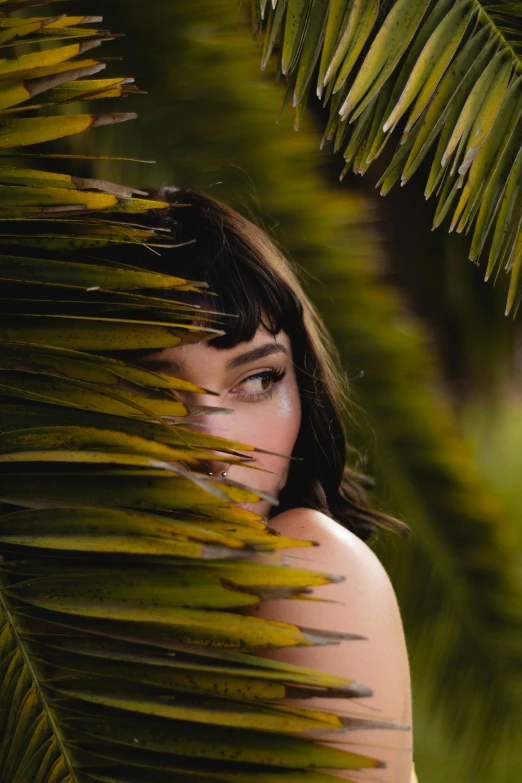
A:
{"points": [[443, 79], [124, 652]]}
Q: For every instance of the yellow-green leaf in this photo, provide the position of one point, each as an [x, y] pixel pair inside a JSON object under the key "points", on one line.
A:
{"points": [[99, 334], [486, 115], [363, 15], [296, 11], [35, 130], [336, 12], [433, 61], [387, 47]]}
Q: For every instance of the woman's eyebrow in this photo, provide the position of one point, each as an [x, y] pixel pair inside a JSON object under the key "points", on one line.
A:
{"points": [[256, 353], [160, 364]]}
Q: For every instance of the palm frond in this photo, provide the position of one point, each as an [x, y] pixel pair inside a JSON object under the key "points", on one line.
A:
{"points": [[124, 652], [420, 72]]}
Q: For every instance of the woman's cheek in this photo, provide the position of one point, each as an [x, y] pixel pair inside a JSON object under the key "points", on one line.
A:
{"points": [[272, 425]]}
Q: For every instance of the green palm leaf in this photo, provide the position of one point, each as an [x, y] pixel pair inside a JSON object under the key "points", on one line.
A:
{"points": [[124, 652], [420, 72]]}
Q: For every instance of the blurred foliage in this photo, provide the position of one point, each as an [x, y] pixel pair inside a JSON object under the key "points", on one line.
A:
{"points": [[498, 434], [209, 120]]}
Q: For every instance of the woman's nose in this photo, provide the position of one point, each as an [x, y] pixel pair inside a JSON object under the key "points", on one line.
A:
{"points": [[217, 468], [213, 424]]}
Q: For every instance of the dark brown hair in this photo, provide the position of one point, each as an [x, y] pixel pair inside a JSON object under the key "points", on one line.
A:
{"points": [[255, 284]]}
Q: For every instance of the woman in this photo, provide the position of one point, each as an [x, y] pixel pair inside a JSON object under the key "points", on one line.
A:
{"points": [[275, 369]]}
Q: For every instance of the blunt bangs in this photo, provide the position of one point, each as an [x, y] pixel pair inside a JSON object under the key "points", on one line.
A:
{"points": [[233, 258]]}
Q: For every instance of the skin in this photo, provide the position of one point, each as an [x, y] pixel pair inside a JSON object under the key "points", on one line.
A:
{"points": [[267, 414]]}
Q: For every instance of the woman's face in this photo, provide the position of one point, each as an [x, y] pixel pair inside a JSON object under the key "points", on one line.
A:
{"points": [[257, 379]]}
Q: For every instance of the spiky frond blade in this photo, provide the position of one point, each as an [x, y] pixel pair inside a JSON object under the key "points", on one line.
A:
{"points": [[433, 55]]}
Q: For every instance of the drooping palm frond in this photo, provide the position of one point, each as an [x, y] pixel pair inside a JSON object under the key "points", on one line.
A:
{"points": [[124, 654], [443, 78]]}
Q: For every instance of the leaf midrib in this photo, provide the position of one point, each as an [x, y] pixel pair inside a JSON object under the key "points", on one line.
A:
{"points": [[488, 19], [32, 670]]}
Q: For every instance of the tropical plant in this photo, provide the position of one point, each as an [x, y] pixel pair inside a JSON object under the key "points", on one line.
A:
{"points": [[123, 650], [455, 581], [435, 70]]}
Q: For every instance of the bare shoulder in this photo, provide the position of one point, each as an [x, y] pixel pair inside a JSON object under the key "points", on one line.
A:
{"points": [[314, 525], [364, 603], [338, 548], [364, 598]]}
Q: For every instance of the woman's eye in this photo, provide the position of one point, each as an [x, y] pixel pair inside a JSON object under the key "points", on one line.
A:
{"points": [[260, 384]]}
